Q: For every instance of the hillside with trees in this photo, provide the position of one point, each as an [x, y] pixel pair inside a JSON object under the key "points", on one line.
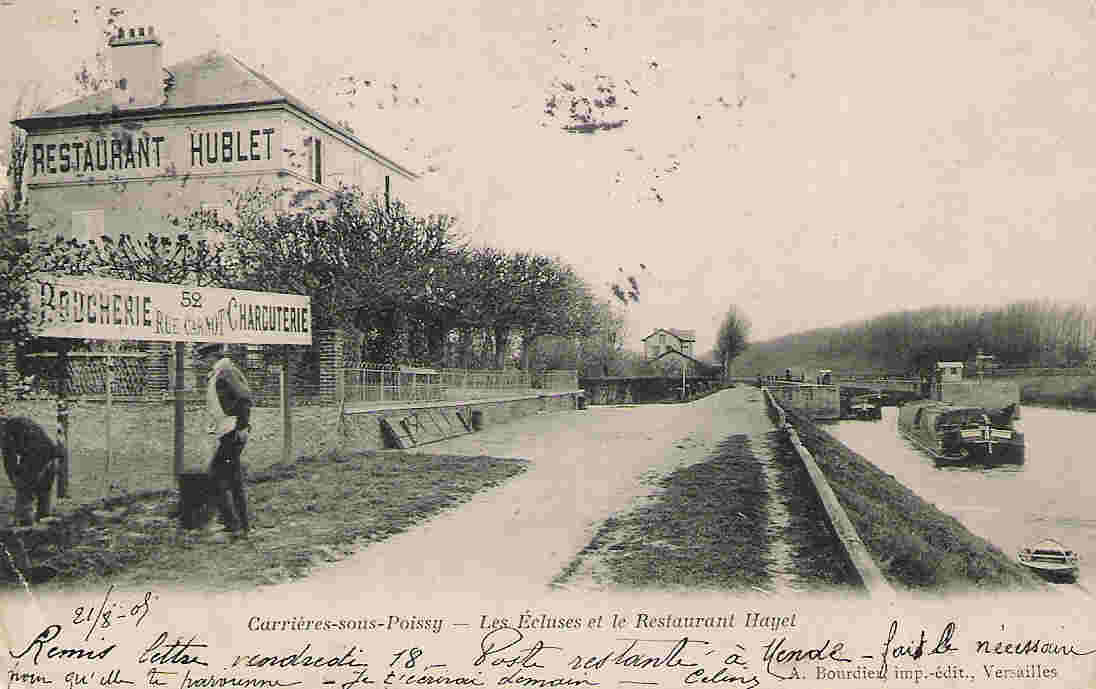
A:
{"points": [[1020, 334]]}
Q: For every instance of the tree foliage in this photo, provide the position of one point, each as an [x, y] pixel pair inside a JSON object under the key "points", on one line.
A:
{"points": [[732, 338], [408, 283], [1026, 333]]}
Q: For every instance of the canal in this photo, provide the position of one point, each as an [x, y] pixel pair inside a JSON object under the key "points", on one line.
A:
{"points": [[1051, 495]]}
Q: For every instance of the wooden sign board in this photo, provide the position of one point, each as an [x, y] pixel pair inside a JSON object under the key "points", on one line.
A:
{"points": [[105, 309]]}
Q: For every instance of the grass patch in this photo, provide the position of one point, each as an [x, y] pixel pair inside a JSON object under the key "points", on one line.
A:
{"points": [[819, 562], [915, 544], [707, 529], [314, 510]]}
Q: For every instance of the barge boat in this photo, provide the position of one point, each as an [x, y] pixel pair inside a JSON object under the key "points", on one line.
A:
{"points": [[962, 434]]}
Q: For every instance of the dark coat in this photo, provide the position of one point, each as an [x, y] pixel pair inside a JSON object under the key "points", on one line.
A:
{"points": [[29, 452]]}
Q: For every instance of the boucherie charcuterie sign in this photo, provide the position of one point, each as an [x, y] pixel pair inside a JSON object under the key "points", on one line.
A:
{"points": [[102, 309]]}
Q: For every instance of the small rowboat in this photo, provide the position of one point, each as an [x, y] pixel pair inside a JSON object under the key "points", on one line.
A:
{"points": [[1051, 559]]}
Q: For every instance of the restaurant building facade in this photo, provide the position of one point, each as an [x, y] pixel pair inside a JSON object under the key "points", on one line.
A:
{"points": [[170, 140]]}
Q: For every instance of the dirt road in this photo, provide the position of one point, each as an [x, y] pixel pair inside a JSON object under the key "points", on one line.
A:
{"points": [[585, 465]]}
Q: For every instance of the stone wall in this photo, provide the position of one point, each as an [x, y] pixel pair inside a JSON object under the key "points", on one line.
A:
{"points": [[988, 393], [635, 390], [361, 430], [816, 401]]}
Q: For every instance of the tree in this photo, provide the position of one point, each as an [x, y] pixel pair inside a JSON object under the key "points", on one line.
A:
{"points": [[732, 337], [28, 102]]}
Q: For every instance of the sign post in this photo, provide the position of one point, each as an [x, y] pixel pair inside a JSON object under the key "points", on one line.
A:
{"points": [[287, 417], [180, 400], [105, 309]]}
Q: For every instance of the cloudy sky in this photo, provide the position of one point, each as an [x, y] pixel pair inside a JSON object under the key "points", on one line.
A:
{"points": [[811, 163]]}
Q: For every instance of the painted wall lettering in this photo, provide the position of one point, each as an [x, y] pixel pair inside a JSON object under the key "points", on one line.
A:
{"points": [[96, 155], [235, 146]]}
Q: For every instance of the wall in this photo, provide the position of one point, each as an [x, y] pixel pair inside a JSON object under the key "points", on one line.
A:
{"points": [[634, 390], [361, 430], [173, 165], [342, 162], [990, 393], [153, 168], [1073, 391], [817, 401]]}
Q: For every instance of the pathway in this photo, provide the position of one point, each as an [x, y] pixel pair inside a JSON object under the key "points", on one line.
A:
{"points": [[513, 539]]}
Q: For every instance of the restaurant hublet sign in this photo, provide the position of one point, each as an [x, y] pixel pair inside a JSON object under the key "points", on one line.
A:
{"points": [[102, 309]]}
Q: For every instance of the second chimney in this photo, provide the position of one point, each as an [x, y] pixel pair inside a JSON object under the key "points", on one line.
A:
{"points": [[137, 57]]}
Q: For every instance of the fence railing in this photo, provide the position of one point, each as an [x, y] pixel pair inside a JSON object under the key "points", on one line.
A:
{"points": [[378, 383], [391, 385]]}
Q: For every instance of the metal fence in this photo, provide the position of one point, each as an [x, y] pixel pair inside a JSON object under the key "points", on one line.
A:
{"points": [[377, 383], [391, 385]]}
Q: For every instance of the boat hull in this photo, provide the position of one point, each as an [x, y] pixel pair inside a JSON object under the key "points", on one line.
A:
{"points": [[972, 453], [1053, 573], [961, 435]]}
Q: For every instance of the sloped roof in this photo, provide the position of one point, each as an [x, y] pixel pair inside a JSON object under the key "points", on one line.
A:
{"points": [[209, 81], [693, 359], [684, 335]]}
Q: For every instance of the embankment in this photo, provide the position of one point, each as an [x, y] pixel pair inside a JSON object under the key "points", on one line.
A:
{"points": [[1071, 391], [915, 545]]}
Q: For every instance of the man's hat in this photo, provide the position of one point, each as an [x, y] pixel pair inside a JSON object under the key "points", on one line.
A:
{"points": [[208, 348]]}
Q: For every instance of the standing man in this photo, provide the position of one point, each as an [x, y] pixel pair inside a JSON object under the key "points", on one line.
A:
{"points": [[228, 406]]}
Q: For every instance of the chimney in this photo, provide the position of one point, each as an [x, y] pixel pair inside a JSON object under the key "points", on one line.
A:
{"points": [[137, 56]]}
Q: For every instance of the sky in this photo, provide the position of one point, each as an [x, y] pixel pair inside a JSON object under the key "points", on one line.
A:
{"points": [[810, 164]]}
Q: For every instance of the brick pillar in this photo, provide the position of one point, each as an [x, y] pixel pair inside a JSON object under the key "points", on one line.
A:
{"points": [[159, 376], [9, 374], [331, 350]]}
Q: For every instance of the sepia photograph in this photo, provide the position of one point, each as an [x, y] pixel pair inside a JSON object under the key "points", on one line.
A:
{"points": [[647, 343]]}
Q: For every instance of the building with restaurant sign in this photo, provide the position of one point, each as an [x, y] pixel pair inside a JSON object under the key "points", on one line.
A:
{"points": [[167, 141], [170, 140]]}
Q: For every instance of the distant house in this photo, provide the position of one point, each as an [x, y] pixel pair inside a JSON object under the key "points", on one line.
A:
{"points": [[664, 340], [673, 361]]}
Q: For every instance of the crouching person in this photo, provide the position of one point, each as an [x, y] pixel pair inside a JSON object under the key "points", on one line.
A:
{"points": [[31, 461], [228, 406]]}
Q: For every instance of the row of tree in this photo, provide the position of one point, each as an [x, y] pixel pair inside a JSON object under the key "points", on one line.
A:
{"points": [[1027, 333], [410, 284]]}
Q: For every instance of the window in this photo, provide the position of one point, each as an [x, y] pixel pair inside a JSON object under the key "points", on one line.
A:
{"points": [[88, 226], [317, 160]]}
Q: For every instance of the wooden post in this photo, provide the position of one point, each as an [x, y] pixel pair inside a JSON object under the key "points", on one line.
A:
{"points": [[287, 417], [180, 349], [63, 421], [110, 446]]}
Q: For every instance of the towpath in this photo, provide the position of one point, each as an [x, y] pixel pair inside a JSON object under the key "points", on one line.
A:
{"points": [[513, 539]]}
